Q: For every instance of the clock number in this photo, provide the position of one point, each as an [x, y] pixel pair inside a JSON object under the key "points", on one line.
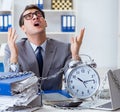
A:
{"points": [[82, 70], [88, 91], [82, 93], [88, 71], [73, 87], [77, 72], [71, 81], [91, 87], [74, 76]]}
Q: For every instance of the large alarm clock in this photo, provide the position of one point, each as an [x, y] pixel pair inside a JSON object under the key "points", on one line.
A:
{"points": [[81, 80]]}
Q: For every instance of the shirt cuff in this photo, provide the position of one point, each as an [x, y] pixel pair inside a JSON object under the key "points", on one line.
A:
{"points": [[14, 67]]}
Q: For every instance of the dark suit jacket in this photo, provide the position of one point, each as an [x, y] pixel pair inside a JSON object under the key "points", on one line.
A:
{"points": [[56, 56]]}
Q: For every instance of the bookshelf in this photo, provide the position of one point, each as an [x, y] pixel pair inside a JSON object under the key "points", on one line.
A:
{"points": [[54, 18], [6, 21], [6, 18]]}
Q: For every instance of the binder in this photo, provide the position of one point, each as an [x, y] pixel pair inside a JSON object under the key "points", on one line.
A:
{"points": [[1, 67], [9, 20], [1, 22], [64, 23], [5, 22], [73, 23], [40, 4], [68, 23], [7, 80]]}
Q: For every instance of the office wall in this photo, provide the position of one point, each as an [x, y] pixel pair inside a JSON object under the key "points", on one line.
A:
{"points": [[118, 56], [100, 19]]}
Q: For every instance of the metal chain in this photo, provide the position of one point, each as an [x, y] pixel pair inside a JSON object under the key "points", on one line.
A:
{"points": [[14, 74], [102, 87], [115, 80], [90, 63]]}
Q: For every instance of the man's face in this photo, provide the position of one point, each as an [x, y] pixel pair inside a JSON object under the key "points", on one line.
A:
{"points": [[33, 22]]}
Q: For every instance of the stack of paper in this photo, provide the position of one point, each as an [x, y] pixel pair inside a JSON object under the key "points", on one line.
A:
{"points": [[17, 90]]}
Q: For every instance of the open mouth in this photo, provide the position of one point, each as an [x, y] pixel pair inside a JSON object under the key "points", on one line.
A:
{"points": [[36, 24]]}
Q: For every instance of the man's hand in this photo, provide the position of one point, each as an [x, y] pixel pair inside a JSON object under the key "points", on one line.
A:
{"points": [[12, 45], [76, 44]]}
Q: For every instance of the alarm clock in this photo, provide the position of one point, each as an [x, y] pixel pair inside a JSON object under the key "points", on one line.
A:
{"points": [[81, 79]]}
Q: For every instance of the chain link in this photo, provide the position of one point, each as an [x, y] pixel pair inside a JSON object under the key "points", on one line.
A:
{"points": [[99, 93]]}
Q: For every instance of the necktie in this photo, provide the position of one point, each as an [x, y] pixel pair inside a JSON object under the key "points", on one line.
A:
{"points": [[40, 60]]}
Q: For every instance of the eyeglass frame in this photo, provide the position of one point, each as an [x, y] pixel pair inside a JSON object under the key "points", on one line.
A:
{"points": [[37, 13]]}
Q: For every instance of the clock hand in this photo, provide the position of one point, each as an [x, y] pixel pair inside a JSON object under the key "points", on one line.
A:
{"points": [[81, 81], [89, 80]]}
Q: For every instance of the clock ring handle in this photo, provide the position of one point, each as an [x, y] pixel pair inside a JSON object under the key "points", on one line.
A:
{"points": [[89, 61]]}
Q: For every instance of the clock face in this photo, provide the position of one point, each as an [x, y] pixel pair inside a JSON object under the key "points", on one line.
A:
{"points": [[82, 82]]}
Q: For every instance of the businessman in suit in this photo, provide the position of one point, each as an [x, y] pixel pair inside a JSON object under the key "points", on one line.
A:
{"points": [[21, 55]]}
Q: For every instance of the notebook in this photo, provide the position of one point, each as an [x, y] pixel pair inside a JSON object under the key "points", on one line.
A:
{"points": [[114, 91]]}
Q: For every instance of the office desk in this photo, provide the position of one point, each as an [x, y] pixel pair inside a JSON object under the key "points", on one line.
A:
{"points": [[52, 109]]}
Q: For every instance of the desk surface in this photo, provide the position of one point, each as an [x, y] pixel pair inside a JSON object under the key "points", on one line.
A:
{"points": [[52, 109]]}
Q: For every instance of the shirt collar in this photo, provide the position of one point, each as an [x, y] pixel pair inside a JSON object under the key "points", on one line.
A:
{"points": [[42, 45]]}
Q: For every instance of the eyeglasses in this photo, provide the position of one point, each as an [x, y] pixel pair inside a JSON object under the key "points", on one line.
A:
{"points": [[30, 15]]}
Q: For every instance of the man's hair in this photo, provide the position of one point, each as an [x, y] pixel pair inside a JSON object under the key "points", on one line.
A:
{"points": [[32, 6]]}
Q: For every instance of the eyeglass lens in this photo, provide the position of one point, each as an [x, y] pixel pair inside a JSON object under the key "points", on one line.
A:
{"points": [[30, 15]]}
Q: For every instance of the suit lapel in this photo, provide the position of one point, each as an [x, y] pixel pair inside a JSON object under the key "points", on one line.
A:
{"points": [[49, 55], [32, 58]]}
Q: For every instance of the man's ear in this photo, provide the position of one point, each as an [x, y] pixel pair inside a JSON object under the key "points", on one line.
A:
{"points": [[23, 28], [45, 23]]}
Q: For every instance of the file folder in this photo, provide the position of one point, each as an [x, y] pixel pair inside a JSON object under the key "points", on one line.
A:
{"points": [[5, 21], [1, 67], [68, 23], [73, 23], [7, 79], [64, 23], [9, 20], [1, 22], [40, 4]]}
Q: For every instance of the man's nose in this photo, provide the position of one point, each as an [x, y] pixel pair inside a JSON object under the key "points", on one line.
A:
{"points": [[35, 16]]}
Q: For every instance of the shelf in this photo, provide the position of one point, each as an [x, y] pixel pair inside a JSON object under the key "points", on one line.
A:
{"points": [[5, 12], [6, 17], [60, 33], [50, 10], [52, 16], [3, 33]]}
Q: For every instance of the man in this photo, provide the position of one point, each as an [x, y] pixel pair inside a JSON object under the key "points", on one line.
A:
{"points": [[21, 56]]}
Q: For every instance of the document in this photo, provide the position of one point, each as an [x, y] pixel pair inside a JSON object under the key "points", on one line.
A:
{"points": [[18, 90]]}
